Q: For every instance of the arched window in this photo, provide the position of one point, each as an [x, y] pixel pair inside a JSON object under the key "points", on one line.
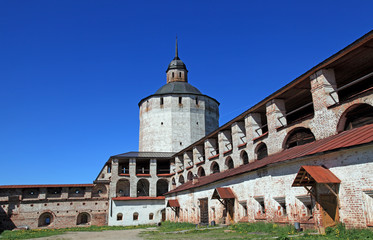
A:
{"points": [[119, 217], [190, 176], [244, 157], [162, 187], [123, 188], [142, 188], [173, 181], [181, 179], [83, 218], [201, 172], [45, 219], [135, 216], [215, 167], [229, 163], [299, 137], [356, 116], [151, 216], [261, 151]]}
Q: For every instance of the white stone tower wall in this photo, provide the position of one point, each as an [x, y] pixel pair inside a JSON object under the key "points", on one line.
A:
{"points": [[182, 125]]}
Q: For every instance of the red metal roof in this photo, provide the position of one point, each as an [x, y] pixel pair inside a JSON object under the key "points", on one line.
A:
{"points": [[223, 193], [173, 203], [137, 198], [350, 138], [45, 186], [308, 175]]}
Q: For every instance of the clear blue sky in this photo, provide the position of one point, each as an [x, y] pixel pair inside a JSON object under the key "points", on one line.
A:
{"points": [[73, 72]]}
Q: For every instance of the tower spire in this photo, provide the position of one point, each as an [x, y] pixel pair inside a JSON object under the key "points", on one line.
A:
{"points": [[176, 50]]}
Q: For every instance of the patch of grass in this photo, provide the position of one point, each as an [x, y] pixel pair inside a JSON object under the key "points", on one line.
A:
{"points": [[37, 233], [270, 228], [340, 232]]}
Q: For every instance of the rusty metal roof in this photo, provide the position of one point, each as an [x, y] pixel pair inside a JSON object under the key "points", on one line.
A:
{"points": [[223, 193], [173, 203], [138, 198], [308, 175], [45, 186], [351, 138]]}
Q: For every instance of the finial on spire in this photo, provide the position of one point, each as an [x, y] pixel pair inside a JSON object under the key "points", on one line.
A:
{"points": [[176, 51]]}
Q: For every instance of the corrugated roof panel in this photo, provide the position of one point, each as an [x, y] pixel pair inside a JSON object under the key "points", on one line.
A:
{"points": [[223, 193], [321, 175], [173, 203]]}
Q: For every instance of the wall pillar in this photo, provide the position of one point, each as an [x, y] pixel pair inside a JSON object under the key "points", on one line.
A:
{"points": [[133, 177], [323, 85], [276, 115], [114, 178]]}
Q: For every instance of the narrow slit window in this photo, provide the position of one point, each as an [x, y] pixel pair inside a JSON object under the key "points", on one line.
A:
{"points": [[180, 100], [180, 74], [161, 101]]}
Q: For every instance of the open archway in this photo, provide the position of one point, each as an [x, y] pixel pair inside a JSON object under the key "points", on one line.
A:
{"points": [[215, 167], [83, 219], [181, 179], [123, 188], [261, 151], [142, 188], [229, 164], [190, 176], [162, 187], [201, 172], [244, 157], [45, 219]]}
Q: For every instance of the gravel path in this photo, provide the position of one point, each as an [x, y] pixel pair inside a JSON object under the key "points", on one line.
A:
{"points": [[107, 235]]}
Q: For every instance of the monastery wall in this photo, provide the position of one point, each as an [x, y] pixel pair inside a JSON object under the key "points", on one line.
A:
{"points": [[56, 207], [272, 186]]}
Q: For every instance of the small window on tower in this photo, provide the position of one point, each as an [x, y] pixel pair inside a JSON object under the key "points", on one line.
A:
{"points": [[161, 100], [196, 100], [180, 74], [180, 100], [172, 75]]}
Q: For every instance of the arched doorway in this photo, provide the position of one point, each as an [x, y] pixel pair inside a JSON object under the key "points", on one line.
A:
{"points": [[142, 188], [162, 187]]}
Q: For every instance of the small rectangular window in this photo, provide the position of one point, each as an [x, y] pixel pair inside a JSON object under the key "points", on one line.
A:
{"points": [[196, 100], [161, 101], [180, 100]]}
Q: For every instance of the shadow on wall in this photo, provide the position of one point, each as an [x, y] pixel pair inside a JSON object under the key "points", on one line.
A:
{"points": [[5, 222]]}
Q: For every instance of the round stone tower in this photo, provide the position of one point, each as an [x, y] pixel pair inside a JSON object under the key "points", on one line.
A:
{"points": [[177, 115]]}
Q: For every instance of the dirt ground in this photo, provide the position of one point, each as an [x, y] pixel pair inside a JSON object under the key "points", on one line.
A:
{"points": [[107, 235]]}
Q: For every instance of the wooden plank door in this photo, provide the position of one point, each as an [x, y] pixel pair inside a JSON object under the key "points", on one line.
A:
{"points": [[204, 211], [330, 212]]}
